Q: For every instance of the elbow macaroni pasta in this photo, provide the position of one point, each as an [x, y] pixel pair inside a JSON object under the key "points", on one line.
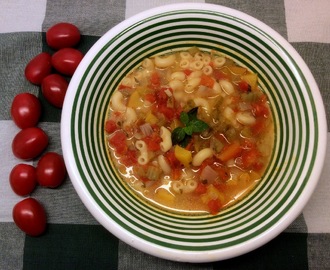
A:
{"points": [[130, 117], [165, 61], [187, 187], [166, 143], [116, 102], [201, 156], [164, 164], [143, 158]]}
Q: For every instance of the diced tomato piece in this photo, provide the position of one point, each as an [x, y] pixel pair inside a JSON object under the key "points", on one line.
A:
{"points": [[129, 159], [201, 188], [110, 126], [153, 142], [207, 162], [207, 81], [219, 75], [230, 151], [172, 160], [250, 158], [155, 79], [222, 187], [176, 173], [248, 144], [222, 172], [260, 108], [161, 98], [150, 97], [169, 113], [187, 72], [118, 142], [259, 126], [244, 87], [258, 166], [214, 206]]}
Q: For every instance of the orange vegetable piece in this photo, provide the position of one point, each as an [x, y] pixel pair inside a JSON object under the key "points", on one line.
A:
{"points": [[207, 81], [230, 151]]}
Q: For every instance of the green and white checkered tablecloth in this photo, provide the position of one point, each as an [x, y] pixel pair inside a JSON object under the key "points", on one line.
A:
{"points": [[74, 239]]}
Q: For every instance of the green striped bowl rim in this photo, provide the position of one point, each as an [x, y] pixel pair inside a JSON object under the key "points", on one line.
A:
{"points": [[299, 145]]}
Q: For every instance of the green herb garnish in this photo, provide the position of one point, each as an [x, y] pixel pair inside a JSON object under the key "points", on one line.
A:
{"points": [[183, 135]]}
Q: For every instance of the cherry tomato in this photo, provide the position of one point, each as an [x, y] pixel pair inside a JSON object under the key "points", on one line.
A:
{"points": [[23, 179], [38, 68], [54, 88], [62, 35], [29, 143], [30, 216], [67, 60], [25, 110], [51, 170]]}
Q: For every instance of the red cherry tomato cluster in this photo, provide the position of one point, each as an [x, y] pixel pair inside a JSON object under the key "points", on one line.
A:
{"points": [[61, 37], [31, 141]]}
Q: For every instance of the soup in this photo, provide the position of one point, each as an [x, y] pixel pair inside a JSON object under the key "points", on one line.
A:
{"points": [[190, 131]]}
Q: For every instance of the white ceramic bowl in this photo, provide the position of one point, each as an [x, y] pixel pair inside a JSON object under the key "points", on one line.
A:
{"points": [[299, 147]]}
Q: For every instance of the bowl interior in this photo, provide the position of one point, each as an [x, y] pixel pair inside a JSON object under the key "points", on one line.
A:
{"points": [[299, 125]]}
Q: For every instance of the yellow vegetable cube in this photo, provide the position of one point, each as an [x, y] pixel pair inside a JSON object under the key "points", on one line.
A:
{"points": [[164, 196], [183, 155], [151, 118], [135, 100], [237, 70], [251, 79], [211, 194]]}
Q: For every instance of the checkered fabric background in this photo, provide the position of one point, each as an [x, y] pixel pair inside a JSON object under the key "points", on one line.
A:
{"points": [[74, 239]]}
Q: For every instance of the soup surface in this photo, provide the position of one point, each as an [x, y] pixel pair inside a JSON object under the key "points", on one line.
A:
{"points": [[190, 131]]}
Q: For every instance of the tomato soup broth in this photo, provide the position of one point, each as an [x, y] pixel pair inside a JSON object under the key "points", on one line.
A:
{"points": [[190, 131]]}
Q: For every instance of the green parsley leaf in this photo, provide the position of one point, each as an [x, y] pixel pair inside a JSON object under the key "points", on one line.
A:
{"points": [[184, 118], [189, 130], [183, 135], [185, 141], [178, 135], [193, 114], [198, 125]]}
